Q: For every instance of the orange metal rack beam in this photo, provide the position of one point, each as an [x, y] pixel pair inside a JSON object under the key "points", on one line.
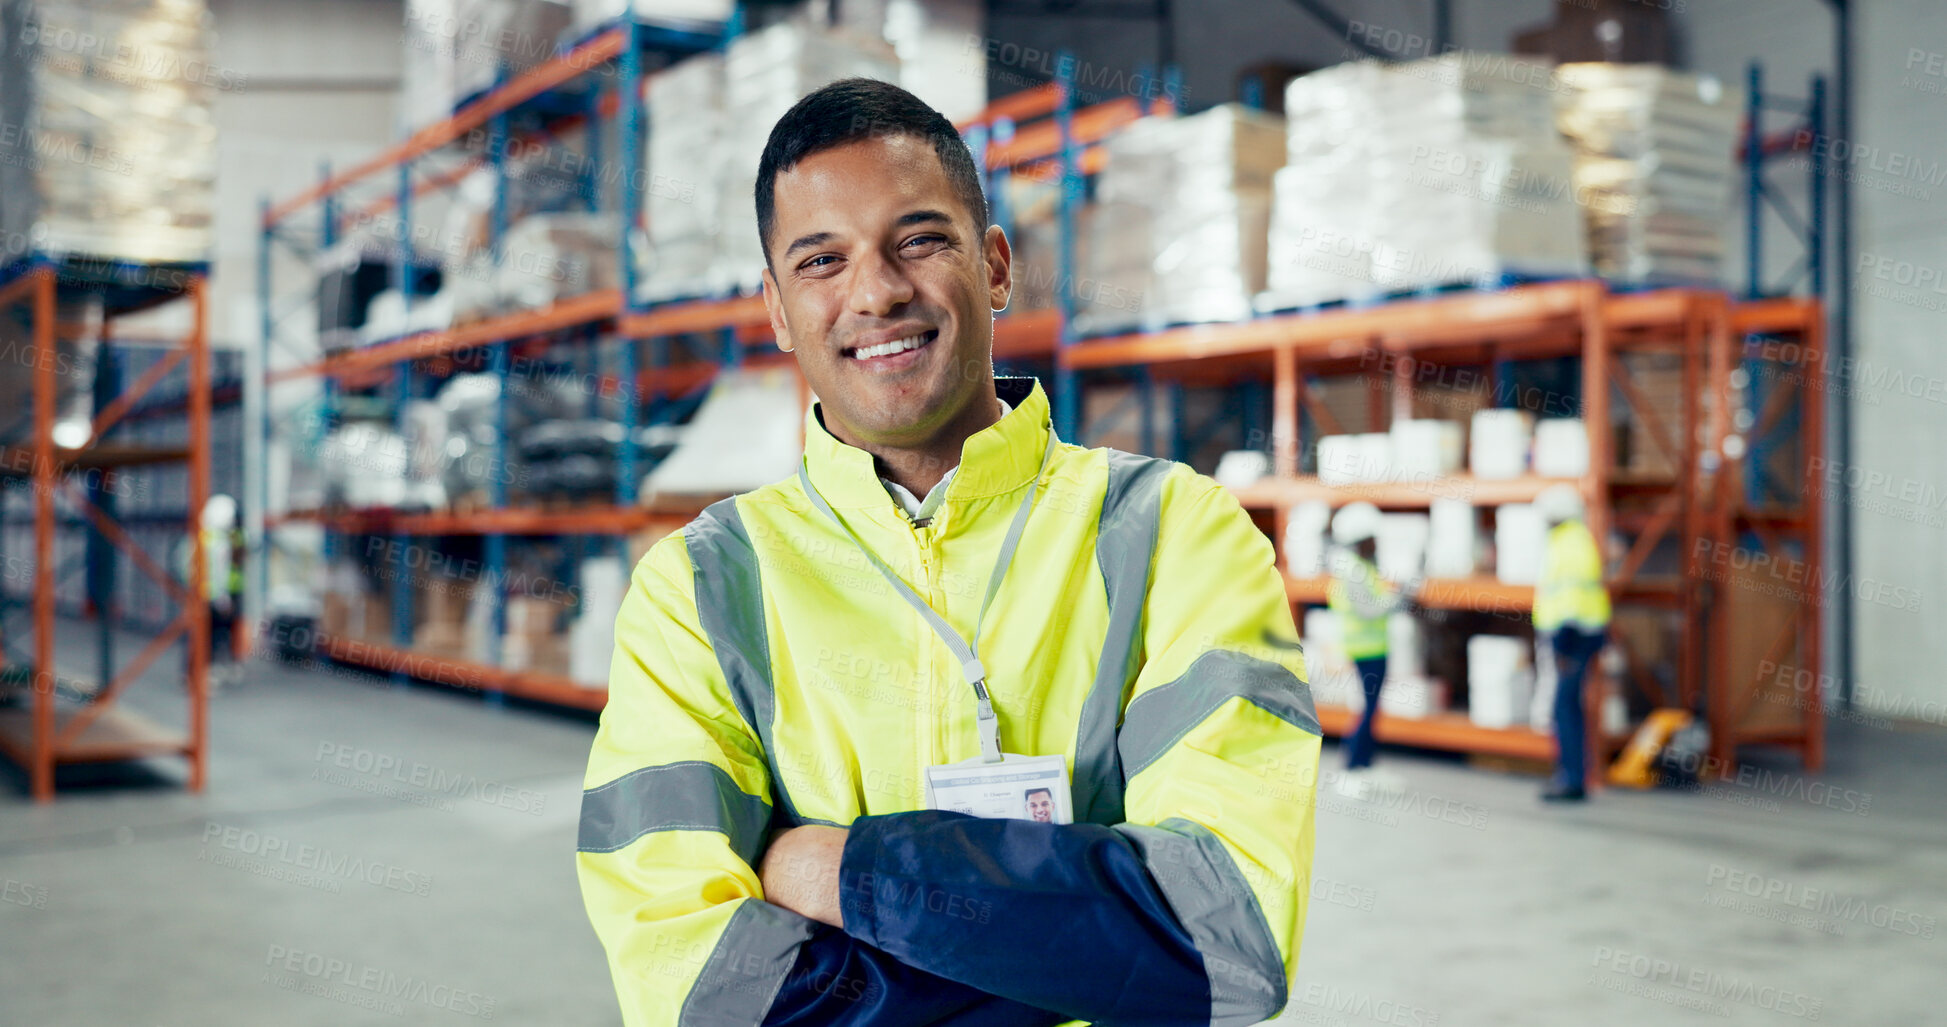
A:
{"points": [[41, 738], [529, 84]]}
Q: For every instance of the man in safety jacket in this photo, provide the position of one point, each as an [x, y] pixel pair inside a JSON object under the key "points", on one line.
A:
{"points": [[1572, 617], [1363, 602], [943, 581]]}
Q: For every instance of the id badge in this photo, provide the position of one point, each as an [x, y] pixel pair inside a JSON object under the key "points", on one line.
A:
{"points": [[1022, 787]]}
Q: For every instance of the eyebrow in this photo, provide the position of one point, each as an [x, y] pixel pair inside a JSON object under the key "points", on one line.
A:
{"points": [[917, 217], [924, 217], [807, 241]]}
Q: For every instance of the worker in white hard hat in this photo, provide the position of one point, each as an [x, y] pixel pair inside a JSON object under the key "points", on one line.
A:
{"points": [[1362, 602], [222, 581], [1572, 619]]}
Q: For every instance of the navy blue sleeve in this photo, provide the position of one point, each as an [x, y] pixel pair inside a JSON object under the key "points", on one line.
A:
{"points": [[1063, 917], [838, 979]]}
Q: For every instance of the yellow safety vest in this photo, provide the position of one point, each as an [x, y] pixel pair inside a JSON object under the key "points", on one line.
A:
{"points": [[765, 675], [1364, 638], [1570, 590]]}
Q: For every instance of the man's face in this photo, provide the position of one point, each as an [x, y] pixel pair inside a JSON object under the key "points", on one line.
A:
{"points": [[885, 288], [1041, 807]]}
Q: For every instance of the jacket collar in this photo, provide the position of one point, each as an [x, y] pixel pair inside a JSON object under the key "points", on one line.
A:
{"points": [[995, 460]]}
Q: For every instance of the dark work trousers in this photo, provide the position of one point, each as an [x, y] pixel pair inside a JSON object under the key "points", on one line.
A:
{"points": [[222, 623], [1372, 674], [1574, 648]]}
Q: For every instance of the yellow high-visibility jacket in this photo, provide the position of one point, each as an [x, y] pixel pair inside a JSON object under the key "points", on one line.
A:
{"points": [[1363, 601], [1570, 589], [765, 676]]}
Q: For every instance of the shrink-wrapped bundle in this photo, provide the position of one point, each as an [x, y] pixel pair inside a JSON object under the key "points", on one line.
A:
{"points": [[1655, 166], [107, 145]]}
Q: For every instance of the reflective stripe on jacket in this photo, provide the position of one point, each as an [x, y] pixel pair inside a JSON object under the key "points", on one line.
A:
{"points": [[1570, 589], [1362, 600], [766, 676]]}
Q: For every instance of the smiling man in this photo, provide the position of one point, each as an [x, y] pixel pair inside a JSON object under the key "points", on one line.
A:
{"points": [[815, 685]]}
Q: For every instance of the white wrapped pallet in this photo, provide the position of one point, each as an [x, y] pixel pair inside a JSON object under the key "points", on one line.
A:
{"points": [[1497, 445], [1320, 246], [109, 148], [1433, 172], [1500, 680], [1470, 178], [1473, 210], [1190, 200], [1518, 543], [1655, 167], [680, 206], [939, 44]]}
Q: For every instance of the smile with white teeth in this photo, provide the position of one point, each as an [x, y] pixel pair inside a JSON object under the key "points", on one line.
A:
{"points": [[886, 349]]}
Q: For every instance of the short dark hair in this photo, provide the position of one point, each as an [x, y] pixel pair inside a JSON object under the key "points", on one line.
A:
{"points": [[850, 110]]}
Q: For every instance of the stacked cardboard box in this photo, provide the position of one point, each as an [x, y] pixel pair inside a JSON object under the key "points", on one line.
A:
{"points": [[1655, 165]]}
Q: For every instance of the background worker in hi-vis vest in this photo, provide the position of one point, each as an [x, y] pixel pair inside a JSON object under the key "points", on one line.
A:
{"points": [[1572, 619], [838, 703], [1363, 602]]}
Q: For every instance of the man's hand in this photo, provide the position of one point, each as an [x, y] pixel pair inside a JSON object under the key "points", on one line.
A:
{"points": [[800, 872]]}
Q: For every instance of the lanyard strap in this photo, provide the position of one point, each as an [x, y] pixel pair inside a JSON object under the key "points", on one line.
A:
{"points": [[970, 665]]}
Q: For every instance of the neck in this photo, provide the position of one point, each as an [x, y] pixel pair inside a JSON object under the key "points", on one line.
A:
{"points": [[918, 468]]}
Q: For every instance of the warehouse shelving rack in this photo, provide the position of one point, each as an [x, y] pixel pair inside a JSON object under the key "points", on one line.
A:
{"points": [[1701, 502], [1039, 131], [88, 726], [617, 47]]}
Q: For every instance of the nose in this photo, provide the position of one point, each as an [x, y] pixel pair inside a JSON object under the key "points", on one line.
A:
{"points": [[879, 286]]}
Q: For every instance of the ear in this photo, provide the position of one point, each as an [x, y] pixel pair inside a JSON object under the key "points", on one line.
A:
{"points": [[1000, 267], [774, 306]]}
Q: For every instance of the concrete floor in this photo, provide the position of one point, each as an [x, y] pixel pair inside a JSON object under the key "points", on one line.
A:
{"points": [[129, 901]]}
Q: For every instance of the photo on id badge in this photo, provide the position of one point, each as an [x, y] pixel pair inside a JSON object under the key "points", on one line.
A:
{"points": [[1021, 787]]}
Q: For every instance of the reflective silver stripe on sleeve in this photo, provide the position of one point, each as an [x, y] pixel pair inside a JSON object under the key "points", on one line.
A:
{"points": [[1214, 902], [1125, 546], [1160, 717], [753, 956], [688, 796], [730, 607]]}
